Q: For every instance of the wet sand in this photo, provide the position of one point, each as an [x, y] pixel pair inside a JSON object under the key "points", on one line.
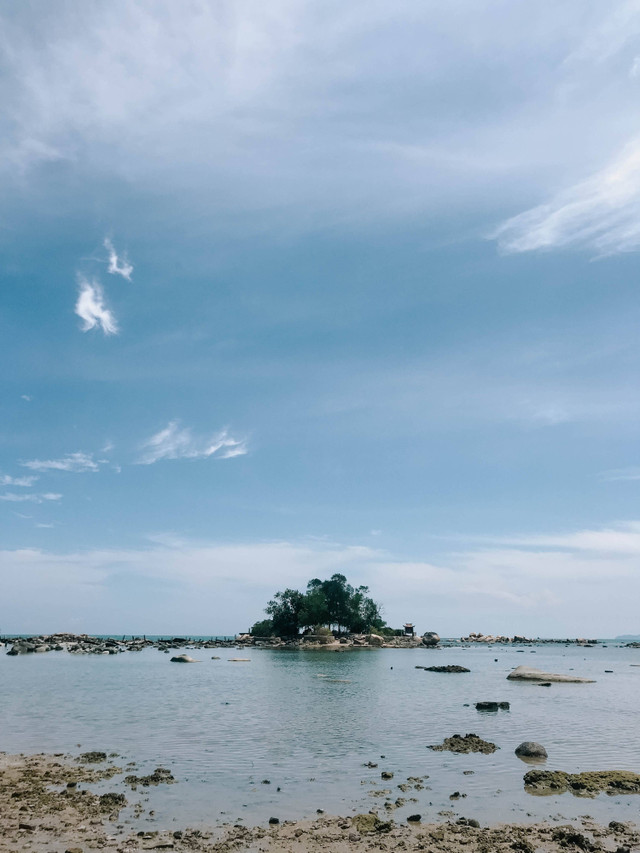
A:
{"points": [[60, 804]]}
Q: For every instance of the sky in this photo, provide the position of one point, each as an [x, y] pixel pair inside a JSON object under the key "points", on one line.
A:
{"points": [[296, 288]]}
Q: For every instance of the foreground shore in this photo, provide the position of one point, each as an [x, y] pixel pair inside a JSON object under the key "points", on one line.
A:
{"points": [[61, 804]]}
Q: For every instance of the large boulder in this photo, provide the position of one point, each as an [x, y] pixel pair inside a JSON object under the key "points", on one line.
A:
{"points": [[531, 749], [375, 640], [528, 673], [430, 639], [183, 659]]}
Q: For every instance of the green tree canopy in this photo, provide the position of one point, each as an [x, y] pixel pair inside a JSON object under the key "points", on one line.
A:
{"points": [[332, 602]]}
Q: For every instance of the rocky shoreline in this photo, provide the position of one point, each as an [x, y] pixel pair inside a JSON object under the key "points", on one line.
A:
{"points": [[47, 805], [87, 644]]}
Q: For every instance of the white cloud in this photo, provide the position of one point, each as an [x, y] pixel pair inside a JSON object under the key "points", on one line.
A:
{"points": [[117, 265], [174, 442], [43, 526], [6, 480], [76, 463], [289, 105], [601, 213], [30, 498], [91, 309], [26, 397], [547, 585]]}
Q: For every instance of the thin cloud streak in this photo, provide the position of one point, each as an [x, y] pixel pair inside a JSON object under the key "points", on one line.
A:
{"points": [[76, 463], [91, 309], [601, 213], [620, 474], [174, 442], [12, 497], [117, 265], [26, 482]]}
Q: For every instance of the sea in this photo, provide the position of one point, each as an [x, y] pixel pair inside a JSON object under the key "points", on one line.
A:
{"points": [[290, 733]]}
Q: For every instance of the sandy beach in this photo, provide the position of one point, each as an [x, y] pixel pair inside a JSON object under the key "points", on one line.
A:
{"points": [[48, 805]]}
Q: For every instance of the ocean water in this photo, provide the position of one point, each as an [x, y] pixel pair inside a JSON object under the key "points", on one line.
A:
{"points": [[310, 721]]}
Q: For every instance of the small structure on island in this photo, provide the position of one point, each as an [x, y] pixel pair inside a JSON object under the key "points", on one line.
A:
{"points": [[409, 630]]}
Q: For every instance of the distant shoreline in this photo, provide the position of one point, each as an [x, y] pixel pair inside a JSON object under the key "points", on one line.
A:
{"points": [[110, 645]]}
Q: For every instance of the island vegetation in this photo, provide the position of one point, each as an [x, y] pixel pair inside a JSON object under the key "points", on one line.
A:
{"points": [[327, 605]]}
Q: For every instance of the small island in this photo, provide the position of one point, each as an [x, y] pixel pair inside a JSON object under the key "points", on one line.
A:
{"points": [[330, 613]]}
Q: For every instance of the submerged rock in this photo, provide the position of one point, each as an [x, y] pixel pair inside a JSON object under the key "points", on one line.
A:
{"points": [[529, 673], [183, 659], [588, 784], [468, 743], [492, 706], [159, 776]]}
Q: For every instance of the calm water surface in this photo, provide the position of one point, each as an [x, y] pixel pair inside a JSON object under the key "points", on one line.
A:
{"points": [[223, 727]]}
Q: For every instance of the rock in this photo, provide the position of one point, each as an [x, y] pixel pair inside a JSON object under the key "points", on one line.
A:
{"points": [[112, 802], [567, 836], [239, 660], [375, 640], [274, 820], [430, 639], [92, 757], [449, 668], [368, 823], [588, 784], [531, 749], [415, 818], [528, 673], [386, 774], [468, 743], [183, 659], [73, 850], [492, 706]]}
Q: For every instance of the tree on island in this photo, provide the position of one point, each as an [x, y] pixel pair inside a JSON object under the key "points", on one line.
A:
{"points": [[326, 604]]}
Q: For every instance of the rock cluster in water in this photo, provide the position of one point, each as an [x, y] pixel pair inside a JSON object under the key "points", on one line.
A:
{"points": [[522, 640], [468, 743], [84, 644], [545, 782]]}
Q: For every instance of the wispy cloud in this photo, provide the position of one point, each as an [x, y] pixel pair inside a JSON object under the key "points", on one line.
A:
{"points": [[76, 463], [118, 265], [6, 480], [174, 442], [30, 498], [26, 397], [621, 474], [91, 309], [601, 213]]}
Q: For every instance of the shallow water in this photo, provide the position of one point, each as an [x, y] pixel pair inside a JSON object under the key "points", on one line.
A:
{"points": [[223, 727]]}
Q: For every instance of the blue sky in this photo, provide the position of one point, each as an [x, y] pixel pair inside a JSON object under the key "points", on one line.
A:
{"points": [[296, 288]]}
